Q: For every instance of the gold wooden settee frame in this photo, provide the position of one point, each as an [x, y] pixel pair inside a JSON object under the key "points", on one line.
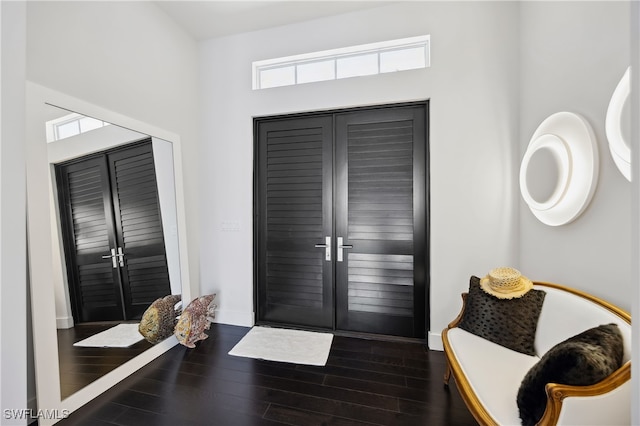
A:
{"points": [[556, 393]]}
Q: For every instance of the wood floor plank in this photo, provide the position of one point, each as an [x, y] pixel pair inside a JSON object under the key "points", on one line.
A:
{"points": [[363, 398], [377, 388], [368, 357], [376, 367], [365, 382], [201, 395], [296, 416]]}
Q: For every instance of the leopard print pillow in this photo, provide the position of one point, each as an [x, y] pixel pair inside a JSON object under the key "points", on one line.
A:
{"points": [[511, 323]]}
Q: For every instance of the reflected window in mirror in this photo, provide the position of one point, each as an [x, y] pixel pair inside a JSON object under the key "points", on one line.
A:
{"points": [[71, 125]]}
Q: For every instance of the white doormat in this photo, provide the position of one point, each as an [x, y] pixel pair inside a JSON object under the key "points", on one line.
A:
{"points": [[277, 344], [120, 336]]}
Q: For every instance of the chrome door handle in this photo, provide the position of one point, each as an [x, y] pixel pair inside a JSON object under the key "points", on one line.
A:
{"points": [[341, 247], [114, 263], [120, 257], [327, 248]]}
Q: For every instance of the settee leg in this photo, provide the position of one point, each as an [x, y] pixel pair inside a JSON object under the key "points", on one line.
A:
{"points": [[447, 374]]}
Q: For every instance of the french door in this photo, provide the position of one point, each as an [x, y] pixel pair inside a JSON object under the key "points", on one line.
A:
{"points": [[112, 232], [341, 220]]}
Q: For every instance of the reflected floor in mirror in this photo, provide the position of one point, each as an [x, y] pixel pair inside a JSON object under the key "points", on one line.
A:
{"points": [[80, 366], [364, 382]]}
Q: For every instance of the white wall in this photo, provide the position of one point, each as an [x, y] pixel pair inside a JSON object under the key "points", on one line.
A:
{"points": [[13, 267], [473, 127], [127, 57], [572, 56], [635, 207]]}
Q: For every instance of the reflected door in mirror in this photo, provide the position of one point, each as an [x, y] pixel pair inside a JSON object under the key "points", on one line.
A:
{"points": [[112, 231]]}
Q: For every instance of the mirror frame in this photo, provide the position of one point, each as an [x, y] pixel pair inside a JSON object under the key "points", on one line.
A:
{"points": [[40, 252]]}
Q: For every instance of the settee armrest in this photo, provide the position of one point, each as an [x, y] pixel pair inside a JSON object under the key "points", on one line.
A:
{"points": [[445, 340], [457, 320], [453, 367], [465, 388], [578, 402]]}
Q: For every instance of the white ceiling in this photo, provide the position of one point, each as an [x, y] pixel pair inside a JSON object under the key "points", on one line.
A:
{"points": [[216, 18]]}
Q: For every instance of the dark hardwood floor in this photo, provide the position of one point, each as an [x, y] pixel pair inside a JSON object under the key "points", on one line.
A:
{"points": [[80, 366], [364, 382]]}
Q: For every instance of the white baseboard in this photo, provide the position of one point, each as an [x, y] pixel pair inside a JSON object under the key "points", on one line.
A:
{"points": [[246, 319], [240, 318], [64, 323], [435, 341]]}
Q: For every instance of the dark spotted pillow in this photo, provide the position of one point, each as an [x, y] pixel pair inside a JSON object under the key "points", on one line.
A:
{"points": [[584, 359], [511, 323]]}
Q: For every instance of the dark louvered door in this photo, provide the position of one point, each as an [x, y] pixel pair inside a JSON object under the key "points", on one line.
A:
{"points": [[354, 181], [145, 276], [380, 221], [89, 234], [113, 237], [295, 284]]}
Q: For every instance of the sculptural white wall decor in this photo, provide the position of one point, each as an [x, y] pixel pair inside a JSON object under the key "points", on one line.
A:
{"points": [[559, 169], [618, 146]]}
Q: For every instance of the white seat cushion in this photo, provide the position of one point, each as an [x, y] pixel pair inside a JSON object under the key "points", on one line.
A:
{"points": [[493, 371]]}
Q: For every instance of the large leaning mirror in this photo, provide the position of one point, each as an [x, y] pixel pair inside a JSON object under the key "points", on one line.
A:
{"points": [[106, 238]]}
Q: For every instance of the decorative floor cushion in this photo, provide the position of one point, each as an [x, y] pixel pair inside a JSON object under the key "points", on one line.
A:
{"points": [[584, 359], [510, 323]]}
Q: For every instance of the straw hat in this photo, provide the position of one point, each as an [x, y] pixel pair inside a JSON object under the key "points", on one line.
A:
{"points": [[506, 283]]}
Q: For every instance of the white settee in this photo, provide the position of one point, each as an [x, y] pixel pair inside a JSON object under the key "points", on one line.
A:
{"points": [[488, 375]]}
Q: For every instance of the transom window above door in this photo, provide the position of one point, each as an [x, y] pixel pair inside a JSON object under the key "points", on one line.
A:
{"points": [[354, 61]]}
